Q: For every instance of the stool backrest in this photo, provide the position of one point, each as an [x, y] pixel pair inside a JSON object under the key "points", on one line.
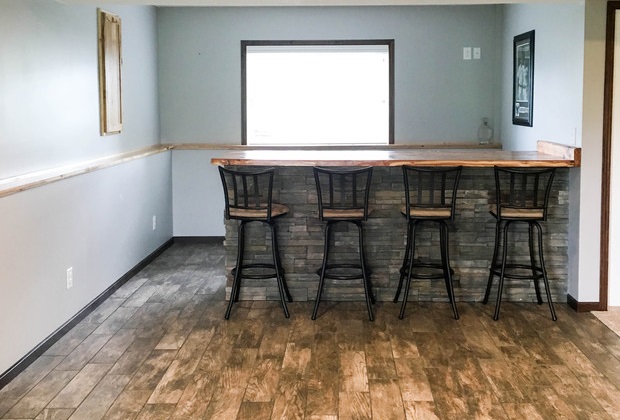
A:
{"points": [[523, 189], [431, 188], [247, 194], [343, 193]]}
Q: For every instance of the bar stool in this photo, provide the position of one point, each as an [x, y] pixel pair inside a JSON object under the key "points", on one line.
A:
{"points": [[430, 196], [343, 198], [522, 196], [248, 198]]}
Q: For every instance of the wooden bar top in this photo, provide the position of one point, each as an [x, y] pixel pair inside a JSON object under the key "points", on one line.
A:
{"points": [[547, 155]]}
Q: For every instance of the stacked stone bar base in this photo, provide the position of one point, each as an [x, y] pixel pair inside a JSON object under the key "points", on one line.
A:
{"points": [[300, 236]]}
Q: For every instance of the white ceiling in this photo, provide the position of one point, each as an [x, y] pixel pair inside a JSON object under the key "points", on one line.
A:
{"points": [[258, 3]]}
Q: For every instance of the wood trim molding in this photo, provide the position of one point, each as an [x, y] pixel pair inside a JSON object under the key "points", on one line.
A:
{"points": [[31, 180], [561, 150], [228, 146], [19, 183], [110, 70], [612, 6], [582, 306]]}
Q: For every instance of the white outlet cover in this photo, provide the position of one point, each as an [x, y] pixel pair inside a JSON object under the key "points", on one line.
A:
{"points": [[69, 278], [466, 53]]}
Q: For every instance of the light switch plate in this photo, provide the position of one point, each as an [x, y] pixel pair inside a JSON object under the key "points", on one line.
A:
{"points": [[476, 53]]}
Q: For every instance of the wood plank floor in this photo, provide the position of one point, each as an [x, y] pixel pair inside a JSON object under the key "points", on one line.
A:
{"points": [[160, 349]]}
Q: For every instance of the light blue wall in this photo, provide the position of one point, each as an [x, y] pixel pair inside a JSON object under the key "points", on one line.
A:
{"points": [[99, 223], [439, 97], [558, 73], [49, 100], [198, 199]]}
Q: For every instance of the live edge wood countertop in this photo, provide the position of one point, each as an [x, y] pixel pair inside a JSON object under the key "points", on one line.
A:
{"points": [[548, 154]]}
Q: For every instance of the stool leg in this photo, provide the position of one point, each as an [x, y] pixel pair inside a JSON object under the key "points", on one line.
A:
{"points": [[493, 262], [366, 278], [535, 274], [276, 263], [323, 268], [234, 292], [242, 248], [405, 262], [500, 287], [544, 271], [409, 270], [279, 265], [366, 270], [445, 262]]}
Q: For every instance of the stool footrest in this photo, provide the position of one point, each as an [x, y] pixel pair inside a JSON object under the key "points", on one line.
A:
{"points": [[511, 274], [331, 274], [425, 276], [258, 271]]}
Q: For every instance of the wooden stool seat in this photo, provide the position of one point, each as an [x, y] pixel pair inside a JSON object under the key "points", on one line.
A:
{"points": [[428, 212], [258, 213], [518, 213]]}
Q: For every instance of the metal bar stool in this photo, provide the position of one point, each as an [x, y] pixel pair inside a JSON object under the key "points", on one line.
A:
{"points": [[430, 196], [343, 198], [248, 197], [522, 196]]}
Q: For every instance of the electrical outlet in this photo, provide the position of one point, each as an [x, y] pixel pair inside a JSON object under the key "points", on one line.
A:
{"points": [[466, 53], [69, 278], [154, 222]]}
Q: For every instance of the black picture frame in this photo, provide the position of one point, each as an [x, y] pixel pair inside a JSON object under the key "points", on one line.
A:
{"points": [[523, 79]]}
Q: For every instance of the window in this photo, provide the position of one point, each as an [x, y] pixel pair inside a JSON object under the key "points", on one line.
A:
{"points": [[317, 92]]}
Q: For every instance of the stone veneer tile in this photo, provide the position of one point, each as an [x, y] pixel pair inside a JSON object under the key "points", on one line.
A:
{"points": [[472, 233]]}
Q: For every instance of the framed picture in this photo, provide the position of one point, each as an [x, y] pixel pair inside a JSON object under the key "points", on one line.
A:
{"points": [[110, 62], [523, 79]]}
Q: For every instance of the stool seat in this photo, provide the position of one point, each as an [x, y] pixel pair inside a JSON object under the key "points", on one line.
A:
{"points": [[428, 212], [343, 214], [518, 213], [258, 213]]}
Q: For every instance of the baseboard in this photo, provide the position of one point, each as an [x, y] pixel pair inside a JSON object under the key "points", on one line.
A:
{"points": [[582, 306], [25, 361], [198, 239]]}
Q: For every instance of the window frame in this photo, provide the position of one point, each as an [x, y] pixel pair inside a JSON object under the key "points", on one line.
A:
{"points": [[248, 43]]}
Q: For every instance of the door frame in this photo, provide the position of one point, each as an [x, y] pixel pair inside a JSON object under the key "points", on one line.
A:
{"points": [[612, 7]]}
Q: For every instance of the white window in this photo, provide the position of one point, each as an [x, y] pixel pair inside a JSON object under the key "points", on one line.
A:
{"points": [[317, 92]]}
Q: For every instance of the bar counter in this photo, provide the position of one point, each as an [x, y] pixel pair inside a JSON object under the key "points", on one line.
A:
{"points": [[547, 155], [300, 232]]}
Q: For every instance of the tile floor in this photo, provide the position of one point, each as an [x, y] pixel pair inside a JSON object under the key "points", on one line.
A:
{"points": [[159, 349], [611, 318]]}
